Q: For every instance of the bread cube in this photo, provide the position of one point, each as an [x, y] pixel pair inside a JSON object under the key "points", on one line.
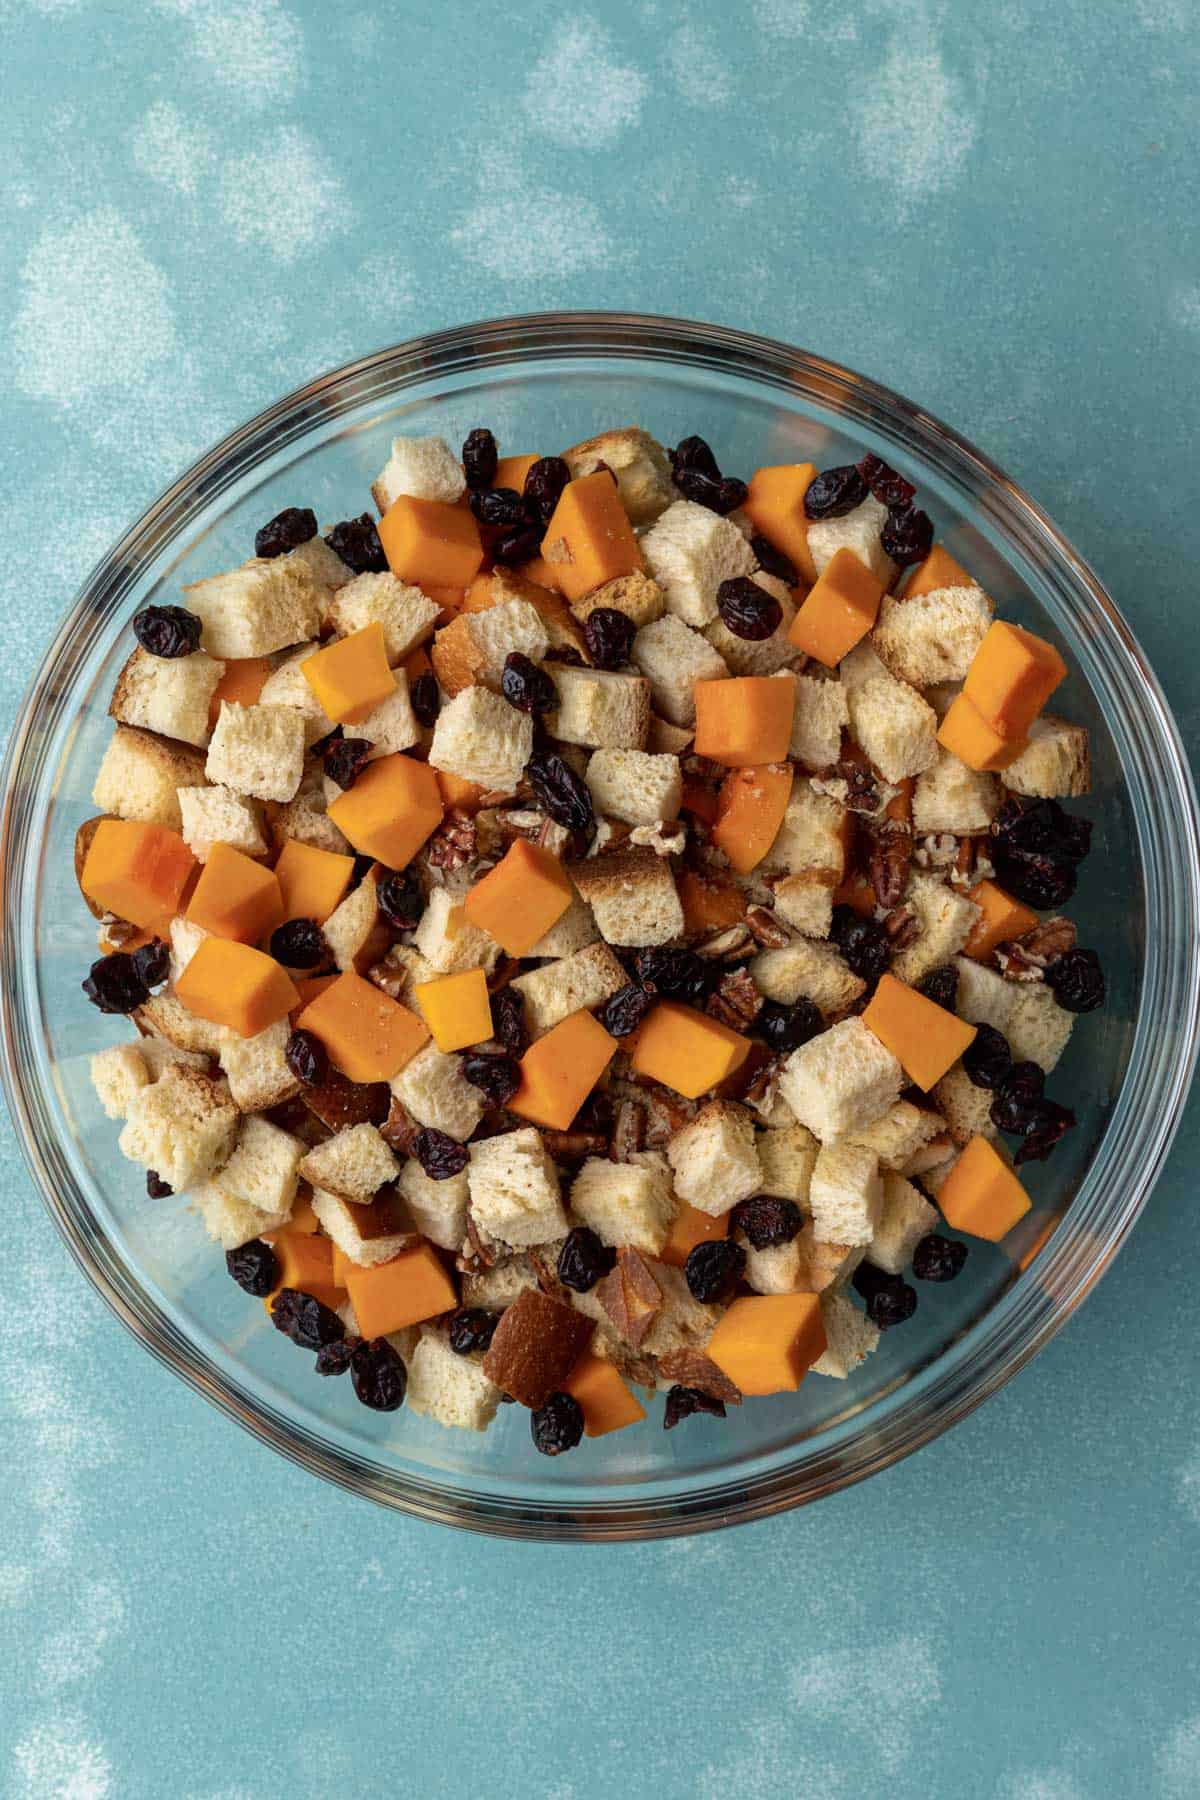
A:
{"points": [[967, 1109], [305, 817], [1038, 1027], [1055, 765], [184, 939], [899, 1133], [845, 1195], [230, 1220], [514, 1189], [448, 941], [812, 839], [714, 1158], [932, 637], [256, 1068], [266, 605], [637, 595], [690, 551], [287, 685], [640, 464], [859, 666], [950, 797], [825, 1267], [673, 658], [598, 709], [482, 738], [944, 919], [858, 531], [392, 725], [758, 656], [216, 815], [634, 786], [140, 776], [117, 1074], [840, 1081], [475, 645], [806, 903], [163, 1016], [626, 1203], [449, 1388], [257, 750], [786, 1156], [632, 896], [984, 997], [436, 1092], [354, 1164], [438, 1208], [810, 969], [320, 564], [500, 1285], [170, 695], [905, 1218], [682, 1322], [575, 930], [777, 1269], [584, 980], [425, 468], [850, 1337], [368, 1235], [821, 715], [895, 727], [356, 932], [264, 1167], [183, 1125], [407, 615]]}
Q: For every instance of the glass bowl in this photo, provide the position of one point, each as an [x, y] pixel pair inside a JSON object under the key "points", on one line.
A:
{"points": [[541, 382]]}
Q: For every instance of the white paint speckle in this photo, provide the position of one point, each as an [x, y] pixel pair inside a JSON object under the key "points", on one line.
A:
{"points": [[879, 1691], [16, 1583], [913, 128], [1177, 1762], [1183, 307], [59, 1762], [1165, 15], [172, 150], [383, 286], [79, 1649], [1187, 1488], [782, 18], [697, 68], [537, 233], [283, 197], [577, 94], [253, 48], [1040, 1784]]}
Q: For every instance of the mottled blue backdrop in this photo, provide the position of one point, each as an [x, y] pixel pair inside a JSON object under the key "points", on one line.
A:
{"points": [[992, 208]]}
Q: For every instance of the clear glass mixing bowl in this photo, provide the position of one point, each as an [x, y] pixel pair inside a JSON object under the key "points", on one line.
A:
{"points": [[541, 382]]}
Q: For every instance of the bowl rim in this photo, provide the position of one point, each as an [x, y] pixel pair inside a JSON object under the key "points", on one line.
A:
{"points": [[1030, 1312]]}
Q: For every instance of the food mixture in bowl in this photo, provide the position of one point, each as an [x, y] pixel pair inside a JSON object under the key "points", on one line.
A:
{"points": [[592, 927]]}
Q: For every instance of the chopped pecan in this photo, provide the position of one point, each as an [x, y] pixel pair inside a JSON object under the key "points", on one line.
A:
{"points": [[937, 850], [736, 1000], [520, 821], [453, 844], [702, 768], [663, 839], [484, 1251], [630, 1296], [766, 929], [901, 927], [115, 933], [545, 1267], [971, 862], [862, 784], [574, 1146], [691, 1368], [666, 1114], [891, 855], [392, 978], [1049, 940], [761, 1090], [1015, 965], [628, 1131], [399, 1130], [728, 945], [553, 837]]}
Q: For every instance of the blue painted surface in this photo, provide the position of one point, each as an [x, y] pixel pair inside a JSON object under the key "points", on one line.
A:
{"points": [[202, 202]]}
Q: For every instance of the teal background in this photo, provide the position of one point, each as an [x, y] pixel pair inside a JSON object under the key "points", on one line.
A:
{"points": [[992, 208]]}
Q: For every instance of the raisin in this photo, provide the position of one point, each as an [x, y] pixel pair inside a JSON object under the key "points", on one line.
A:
{"points": [[907, 535], [379, 1375], [156, 1187], [695, 455], [518, 546], [767, 1219], [114, 985], [495, 1075], [987, 1059], [1018, 1097], [544, 484], [1077, 980], [425, 698], [1042, 828], [345, 758], [1046, 882], [772, 561], [254, 1266], [941, 986], [480, 457], [865, 946], [1046, 1124], [152, 962], [335, 1358], [294, 526], [440, 1156], [508, 1018], [674, 974], [167, 631], [938, 1258], [525, 686], [698, 477], [472, 1328], [785, 1028], [884, 483], [305, 1056], [400, 900], [624, 1011], [499, 507], [356, 541], [713, 1269], [584, 1260], [300, 944], [682, 1402], [747, 610], [608, 634], [560, 791], [565, 653], [889, 1298], [305, 1319], [557, 1425], [835, 492]]}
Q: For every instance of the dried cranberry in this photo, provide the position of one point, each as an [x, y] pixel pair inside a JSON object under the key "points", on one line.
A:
{"points": [[1046, 882], [525, 686], [544, 484], [987, 1060], [714, 1268], [608, 634], [624, 1011], [941, 986], [938, 1258], [865, 945], [772, 561], [565, 653], [889, 1299], [558, 1425], [699, 479], [480, 457], [508, 1018], [300, 944], [305, 1319], [499, 507], [254, 1266], [399, 898], [1018, 1097], [1046, 1123], [156, 1187], [495, 1075], [1042, 828], [1077, 980], [747, 610], [835, 492], [440, 1156], [152, 962], [425, 698], [167, 631], [335, 1358], [472, 1328], [356, 541], [114, 985], [884, 483], [294, 526], [379, 1375], [682, 1402], [560, 791], [519, 546], [674, 974], [785, 1028], [345, 759], [907, 535], [694, 455], [766, 1220], [305, 1056], [584, 1260]]}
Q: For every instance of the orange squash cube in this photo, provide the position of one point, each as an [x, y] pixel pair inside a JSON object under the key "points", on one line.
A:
{"points": [[305, 1262], [542, 573], [312, 882], [924, 1038], [426, 541], [1001, 918], [456, 1009], [858, 894], [939, 570], [775, 506], [464, 796], [745, 720], [561, 1069], [366, 1034], [841, 607], [686, 1050], [710, 902], [394, 805], [242, 683], [589, 539], [309, 986], [303, 1218], [236, 897], [689, 1228], [750, 811], [351, 676], [981, 1195], [411, 1287], [521, 898], [450, 599], [966, 734], [512, 470], [1011, 677], [139, 872], [235, 985], [417, 662], [766, 1343], [341, 1262], [606, 1403]]}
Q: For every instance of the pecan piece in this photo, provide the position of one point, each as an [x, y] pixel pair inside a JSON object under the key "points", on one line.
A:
{"points": [[728, 945], [628, 1132], [574, 1146], [736, 1000], [1049, 940], [630, 1296], [399, 1130], [901, 927], [891, 854], [691, 1368], [453, 844], [766, 928]]}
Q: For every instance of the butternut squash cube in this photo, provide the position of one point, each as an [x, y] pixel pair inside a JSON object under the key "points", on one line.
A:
{"points": [[303, 1218], [312, 882], [309, 986], [981, 1195], [750, 811], [841, 608], [242, 682], [235, 985], [366, 1034], [604, 1400], [710, 902], [1011, 677], [236, 897], [138, 872], [745, 720], [391, 1295], [775, 506], [561, 1069], [858, 894], [589, 539], [521, 898], [966, 734], [394, 805], [691, 1227], [305, 1262], [686, 1050], [939, 570], [427, 541], [544, 574], [456, 1009], [766, 1343], [464, 796], [450, 599], [925, 1039], [341, 1262], [1000, 919], [351, 676]]}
